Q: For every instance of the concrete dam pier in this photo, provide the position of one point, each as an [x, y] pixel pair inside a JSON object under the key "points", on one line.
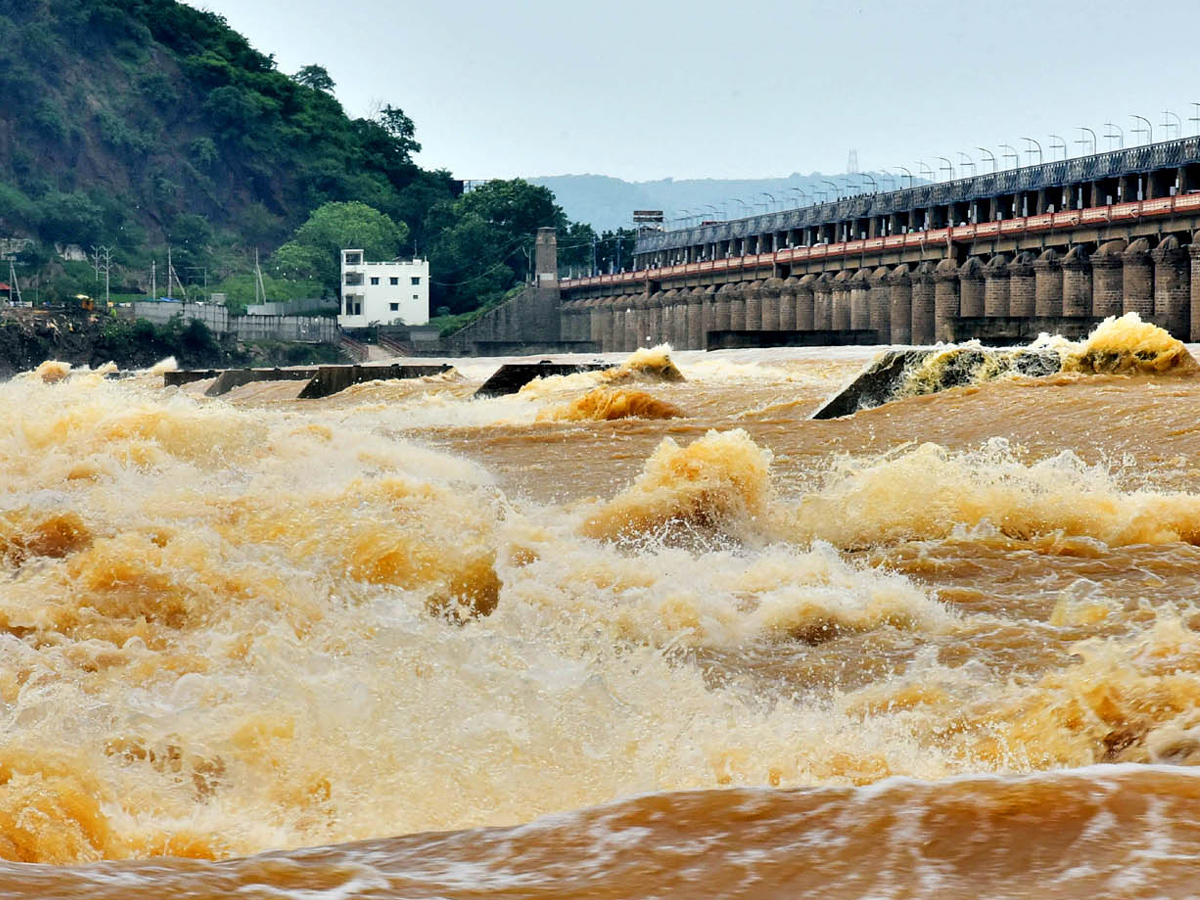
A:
{"points": [[999, 298]]}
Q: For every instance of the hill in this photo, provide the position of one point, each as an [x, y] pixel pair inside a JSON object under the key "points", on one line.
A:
{"points": [[607, 203], [128, 121]]}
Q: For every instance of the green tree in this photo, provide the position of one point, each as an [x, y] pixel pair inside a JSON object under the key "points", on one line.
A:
{"points": [[481, 244], [315, 250], [70, 218], [315, 77]]}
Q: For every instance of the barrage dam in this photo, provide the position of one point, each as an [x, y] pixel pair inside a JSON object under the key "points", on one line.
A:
{"points": [[1003, 256]]}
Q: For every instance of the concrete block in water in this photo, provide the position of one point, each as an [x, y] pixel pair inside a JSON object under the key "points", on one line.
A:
{"points": [[235, 378], [331, 379], [187, 376], [509, 379], [322, 380], [899, 373]]}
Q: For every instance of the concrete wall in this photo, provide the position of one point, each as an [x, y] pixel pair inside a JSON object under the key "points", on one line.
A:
{"points": [[160, 313], [285, 328], [245, 328]]}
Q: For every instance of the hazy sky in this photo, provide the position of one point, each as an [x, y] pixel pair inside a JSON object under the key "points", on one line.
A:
{"points": [[720, 88]]}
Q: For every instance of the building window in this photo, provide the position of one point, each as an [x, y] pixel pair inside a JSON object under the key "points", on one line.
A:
{"points": [[354, 278], [416, 279], [353, 259], [394, 280], [374, 279], [394, 307], [416, 296]]}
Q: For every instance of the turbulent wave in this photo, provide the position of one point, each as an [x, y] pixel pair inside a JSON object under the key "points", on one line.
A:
{"points": [[1105, 831], [608, 404], [1122, 345], [228, 631], [1126, 344], [647, 365]]}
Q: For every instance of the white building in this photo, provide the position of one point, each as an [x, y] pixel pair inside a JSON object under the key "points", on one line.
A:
{"points": [[383, 293]]}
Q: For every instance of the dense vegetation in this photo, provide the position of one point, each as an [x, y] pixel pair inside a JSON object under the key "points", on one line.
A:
{"points": [[143, 124]]}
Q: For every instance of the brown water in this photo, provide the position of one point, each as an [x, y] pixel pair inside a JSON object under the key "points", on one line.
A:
{"points": [[614, 636]]}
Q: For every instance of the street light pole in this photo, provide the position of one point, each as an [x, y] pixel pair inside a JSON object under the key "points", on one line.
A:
{"points": [[1167, 123], [836, 190], [1119, 136], [801, 192], [948, 167], [1148, 130], [1012, 152], [991, 157], [965, 161], [1035, 144], [1062, 143], [909, 174], [1083, 143]]}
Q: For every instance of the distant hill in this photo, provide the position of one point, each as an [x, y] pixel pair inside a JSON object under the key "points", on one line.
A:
{"points": [[607, 203]]}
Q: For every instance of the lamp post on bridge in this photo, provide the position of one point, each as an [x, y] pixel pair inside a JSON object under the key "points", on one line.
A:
{"points": [[909, 174], [1012, 153], [1178, 123], [713, 208], [874, 186], [965, 161], [801, 192], [890, 179], [1083, 143], [741, 203], [836, 190], [1060, 143], [948, 167], [1119, 136], [773, 200], [923, 167], [1148, 130], [1029, 150], [991, 157]]}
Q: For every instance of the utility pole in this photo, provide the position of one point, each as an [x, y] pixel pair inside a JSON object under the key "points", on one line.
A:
{"points": [[260, 290], [12, 282], [102, 262], [153, 279], [172, 274]]}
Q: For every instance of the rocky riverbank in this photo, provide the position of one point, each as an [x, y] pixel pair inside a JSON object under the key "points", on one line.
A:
{"points": [[29, 337]]}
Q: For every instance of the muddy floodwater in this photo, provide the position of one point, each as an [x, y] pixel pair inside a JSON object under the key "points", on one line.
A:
{"points": [[646, 632]]}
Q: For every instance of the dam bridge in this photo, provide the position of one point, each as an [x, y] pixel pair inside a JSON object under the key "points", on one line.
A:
{"points": [[1001, 256]]}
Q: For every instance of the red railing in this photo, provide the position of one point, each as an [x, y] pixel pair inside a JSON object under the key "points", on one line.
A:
{"points": [[1069, 218]]}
